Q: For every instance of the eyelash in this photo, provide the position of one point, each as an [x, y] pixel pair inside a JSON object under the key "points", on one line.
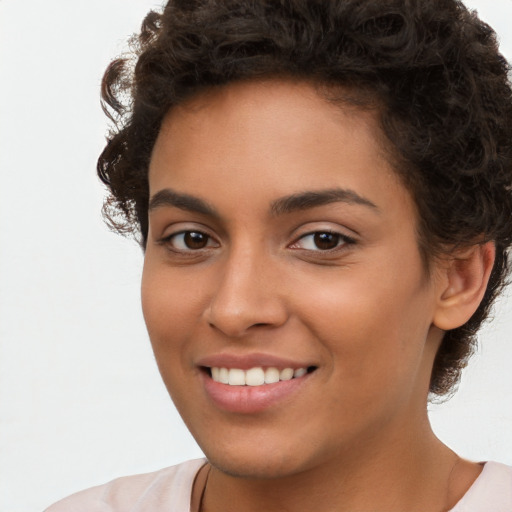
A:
{"points": [[167, 241], [341, 241]]}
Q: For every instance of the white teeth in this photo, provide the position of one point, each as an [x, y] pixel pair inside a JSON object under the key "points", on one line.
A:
{"points": [[271, 375], [223, 375], [286, 374], [236, 377], [256, 376], [300, 372]]}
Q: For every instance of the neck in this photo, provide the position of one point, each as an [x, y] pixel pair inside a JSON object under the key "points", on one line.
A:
{"points": [[360, 479]]}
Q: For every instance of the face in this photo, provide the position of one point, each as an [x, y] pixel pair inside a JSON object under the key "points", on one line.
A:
{"points": [[282, 243]]}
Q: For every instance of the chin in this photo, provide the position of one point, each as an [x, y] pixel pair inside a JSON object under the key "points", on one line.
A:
{"points": [[263, 458], [254, 467]]}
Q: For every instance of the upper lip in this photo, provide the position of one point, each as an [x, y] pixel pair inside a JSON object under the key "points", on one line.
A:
{"points": [[245, 362]]}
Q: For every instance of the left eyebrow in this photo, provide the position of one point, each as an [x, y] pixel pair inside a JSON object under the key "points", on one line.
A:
{"points": [[168, 197], [312, 199]]}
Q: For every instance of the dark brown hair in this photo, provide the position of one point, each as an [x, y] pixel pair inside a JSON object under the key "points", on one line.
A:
{"points": [[432, 66]]}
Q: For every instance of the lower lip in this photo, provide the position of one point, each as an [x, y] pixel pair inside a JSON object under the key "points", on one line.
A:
{"points": [[251, 399]]}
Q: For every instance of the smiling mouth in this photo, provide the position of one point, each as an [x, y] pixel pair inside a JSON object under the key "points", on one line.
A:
{"points": [[256, 376]]}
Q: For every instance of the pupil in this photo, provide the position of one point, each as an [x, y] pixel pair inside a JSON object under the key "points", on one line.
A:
{"points": [[195, 240], [326, 241]]}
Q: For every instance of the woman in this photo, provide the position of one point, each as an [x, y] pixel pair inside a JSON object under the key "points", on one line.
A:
{"points": [[322, 191]]}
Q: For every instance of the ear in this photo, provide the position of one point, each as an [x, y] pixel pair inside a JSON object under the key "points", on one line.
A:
{"points": [[463, 280]]}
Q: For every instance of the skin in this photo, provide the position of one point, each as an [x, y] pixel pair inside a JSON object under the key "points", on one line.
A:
{"points": [[366, 314]]}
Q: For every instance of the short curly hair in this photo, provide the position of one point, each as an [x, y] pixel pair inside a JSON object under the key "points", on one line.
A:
{"points": [[431, 66]]}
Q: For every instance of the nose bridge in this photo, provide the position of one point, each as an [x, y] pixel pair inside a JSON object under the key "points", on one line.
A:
{"points": [[246, 293]]}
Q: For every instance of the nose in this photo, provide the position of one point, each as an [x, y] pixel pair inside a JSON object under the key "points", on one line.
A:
{"points": [[247, 295]]}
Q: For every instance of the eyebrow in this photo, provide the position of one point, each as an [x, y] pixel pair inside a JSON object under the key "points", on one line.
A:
{"points": [[168, 197], [312, 199], [281, 206]]}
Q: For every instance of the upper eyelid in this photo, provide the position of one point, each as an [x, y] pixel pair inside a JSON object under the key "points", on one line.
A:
{"points": [[168, 235], [183, 231], [324, 230], [167, 242], [343, 244], [311, 229], [346, 238], [175, 228]]}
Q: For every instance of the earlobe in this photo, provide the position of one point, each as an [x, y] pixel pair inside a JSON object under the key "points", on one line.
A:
{"points": [[465, 275]]}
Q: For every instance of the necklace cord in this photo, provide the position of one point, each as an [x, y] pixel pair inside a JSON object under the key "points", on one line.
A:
{"points": [[203, 492]]}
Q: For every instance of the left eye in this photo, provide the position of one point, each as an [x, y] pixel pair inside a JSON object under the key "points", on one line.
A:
{"points": [[190, 240], [321, 241]]}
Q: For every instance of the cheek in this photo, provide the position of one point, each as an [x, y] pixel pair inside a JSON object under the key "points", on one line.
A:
{"points": [[169, 325], [163, 305], [171, 300], [373, 324]]}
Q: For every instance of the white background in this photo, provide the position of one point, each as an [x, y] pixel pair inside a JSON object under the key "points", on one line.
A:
{"points": [[81, 400]]}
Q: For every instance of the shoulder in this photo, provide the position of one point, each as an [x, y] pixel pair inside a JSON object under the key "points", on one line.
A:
{"points": [[166, 489], [492, 490]]}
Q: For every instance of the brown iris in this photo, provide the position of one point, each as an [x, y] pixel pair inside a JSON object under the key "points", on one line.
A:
{"points": [[195, 240], [326, 241]]}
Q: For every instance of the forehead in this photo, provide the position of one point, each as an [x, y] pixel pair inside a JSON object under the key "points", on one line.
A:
{"points": [[279, 99], [269, 139]]}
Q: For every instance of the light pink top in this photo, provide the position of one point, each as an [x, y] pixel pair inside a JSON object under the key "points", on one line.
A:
{"points": [[491, 491], [170, 489]]}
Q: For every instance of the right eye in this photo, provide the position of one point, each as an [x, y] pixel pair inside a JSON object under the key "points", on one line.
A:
{"points": [[189, 241]]}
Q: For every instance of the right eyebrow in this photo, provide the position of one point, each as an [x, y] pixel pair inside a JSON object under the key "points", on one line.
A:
{"points": [[311, 199], [168, 197]]}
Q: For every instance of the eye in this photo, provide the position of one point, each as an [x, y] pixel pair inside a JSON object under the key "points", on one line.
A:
{"points": [[322, 241], [189, 241]]}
